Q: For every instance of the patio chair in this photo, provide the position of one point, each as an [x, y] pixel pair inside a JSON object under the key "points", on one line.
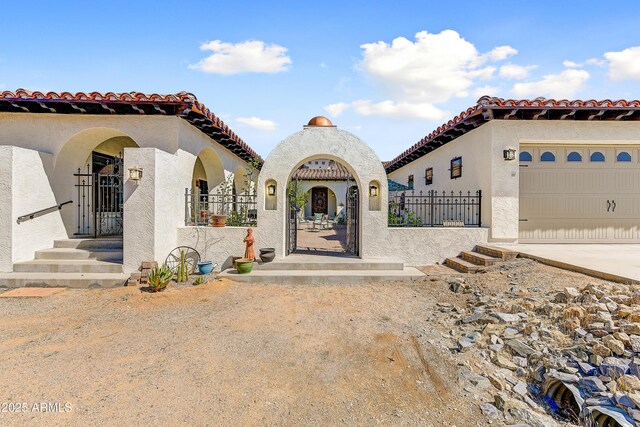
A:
{"points": [[321, 220]]}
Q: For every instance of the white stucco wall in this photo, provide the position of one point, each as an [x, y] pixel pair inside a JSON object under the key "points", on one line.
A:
{"points": [[217, 244], [25, 189]]}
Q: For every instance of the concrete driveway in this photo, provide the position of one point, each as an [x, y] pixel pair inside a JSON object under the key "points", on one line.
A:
{"points": [[617, 262]]}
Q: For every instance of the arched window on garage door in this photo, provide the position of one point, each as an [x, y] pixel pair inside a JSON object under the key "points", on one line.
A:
{"points": [[597, 156], [623, 156], [525, 156], [548, 156], [574, 156]]}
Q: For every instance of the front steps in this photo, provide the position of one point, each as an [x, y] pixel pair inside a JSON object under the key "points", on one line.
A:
{"points": [[481, 256], [317, 269], [73, 263]]}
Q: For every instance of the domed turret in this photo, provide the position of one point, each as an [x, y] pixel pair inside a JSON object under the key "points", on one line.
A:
{"points": [[320, 121]]}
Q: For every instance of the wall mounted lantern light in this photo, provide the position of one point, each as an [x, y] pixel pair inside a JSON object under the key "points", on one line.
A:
{"points": [[135, 173], [509, 154], [271, 189], [373, 191]]}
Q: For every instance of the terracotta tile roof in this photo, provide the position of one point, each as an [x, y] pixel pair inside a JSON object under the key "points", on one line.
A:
{"points": [[491, 108], [335, 172], [182, 104]]}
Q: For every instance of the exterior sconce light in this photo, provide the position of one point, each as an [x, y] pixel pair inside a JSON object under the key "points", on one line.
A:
{"points": [[135, 174], [509, 154], [373, 191], [271, 189]]}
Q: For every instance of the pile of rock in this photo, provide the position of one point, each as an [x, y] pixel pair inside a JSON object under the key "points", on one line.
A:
{"points": [[575, 353]]}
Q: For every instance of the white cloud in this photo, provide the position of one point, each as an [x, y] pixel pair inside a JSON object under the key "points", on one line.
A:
{"points": [[515, 72], [570, 64], [485, 90], [596, 61], [500, 53], [336, 109], [251, 56], [394, 109], [257, 123], [563, 85], [432, 69], [624, 65]]}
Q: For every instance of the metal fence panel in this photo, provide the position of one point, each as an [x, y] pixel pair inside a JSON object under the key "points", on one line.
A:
{"points": [[435, 209]]}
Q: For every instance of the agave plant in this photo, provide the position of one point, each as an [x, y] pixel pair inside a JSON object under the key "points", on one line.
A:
{"points": [[159, 278]]}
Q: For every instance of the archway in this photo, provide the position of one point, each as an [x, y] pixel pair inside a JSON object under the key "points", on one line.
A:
{"points": [[89, 171], [309, 144], [318, 221]]}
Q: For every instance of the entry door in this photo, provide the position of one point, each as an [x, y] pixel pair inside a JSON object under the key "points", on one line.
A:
{"points": [[319, 200], [580, 194]]}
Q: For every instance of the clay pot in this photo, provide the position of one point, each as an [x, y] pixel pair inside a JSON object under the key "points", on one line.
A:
{"points": [[267, 254], [218, 220], [244, 265]]}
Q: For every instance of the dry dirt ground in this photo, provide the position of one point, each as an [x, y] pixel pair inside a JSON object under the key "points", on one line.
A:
{"points": [[226, 353]]}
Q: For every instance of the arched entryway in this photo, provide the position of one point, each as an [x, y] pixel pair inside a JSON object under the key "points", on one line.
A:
{"points": [[89, 170], [321, 140], [318, 218]]}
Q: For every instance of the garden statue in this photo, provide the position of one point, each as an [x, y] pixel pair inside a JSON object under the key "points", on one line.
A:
{"points": [[249, 240]]}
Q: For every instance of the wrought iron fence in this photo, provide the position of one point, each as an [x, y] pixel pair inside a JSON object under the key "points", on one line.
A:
{"points": [[200, 208], [435, 209]]}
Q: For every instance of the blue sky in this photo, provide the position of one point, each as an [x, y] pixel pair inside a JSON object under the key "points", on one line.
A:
{"points": [[390, 72]]}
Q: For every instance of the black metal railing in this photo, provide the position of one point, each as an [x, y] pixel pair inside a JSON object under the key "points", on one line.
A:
{"points": [[435, 208], [240, 209], [41, 212]]}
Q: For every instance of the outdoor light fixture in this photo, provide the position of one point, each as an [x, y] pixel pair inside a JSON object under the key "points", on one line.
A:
{"points": [[135, 173], [373, 191], [271, 189], [509, 154]]}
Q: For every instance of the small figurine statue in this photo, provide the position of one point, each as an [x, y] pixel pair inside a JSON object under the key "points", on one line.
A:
{"points": [[249, 240]]}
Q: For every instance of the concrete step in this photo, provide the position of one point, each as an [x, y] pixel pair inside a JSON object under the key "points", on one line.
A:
{"points": [[70, 253], [462, 265], [493, 251], [478, 258], [67, 266], [310, 277], [102, 243], [67, 280], [306, 262]]}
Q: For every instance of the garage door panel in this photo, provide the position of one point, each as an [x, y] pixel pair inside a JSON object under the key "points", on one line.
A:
{"points": [[589, 202]]}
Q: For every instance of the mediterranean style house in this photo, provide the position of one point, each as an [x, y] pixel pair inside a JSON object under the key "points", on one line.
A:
{"points": [[95, 184]]}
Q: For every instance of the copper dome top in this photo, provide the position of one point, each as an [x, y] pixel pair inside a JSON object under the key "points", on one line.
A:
{"points": [[320, 121]]}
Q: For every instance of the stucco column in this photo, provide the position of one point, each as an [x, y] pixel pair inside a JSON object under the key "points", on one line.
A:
{"points": [[6, 160], [154, 206]]}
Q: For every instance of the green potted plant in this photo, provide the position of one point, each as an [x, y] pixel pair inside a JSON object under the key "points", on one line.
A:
{"points": [[244, 265]]}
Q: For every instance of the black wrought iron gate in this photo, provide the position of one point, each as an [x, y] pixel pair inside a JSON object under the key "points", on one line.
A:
{"points": [[353, 217], [292, 218], [100, 200]]}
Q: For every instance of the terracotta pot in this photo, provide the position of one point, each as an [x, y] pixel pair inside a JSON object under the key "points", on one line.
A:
{"points": [[244, 265], [218, 220], [267, 254]]}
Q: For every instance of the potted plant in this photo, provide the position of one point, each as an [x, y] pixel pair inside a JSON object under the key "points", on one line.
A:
{"points": [[244, 265], [225, 191]]}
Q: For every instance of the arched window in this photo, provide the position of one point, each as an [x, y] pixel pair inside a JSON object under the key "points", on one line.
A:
{"points": [[525, 156], [623, 156], [597, 156], [574, 156], [548, 156]]}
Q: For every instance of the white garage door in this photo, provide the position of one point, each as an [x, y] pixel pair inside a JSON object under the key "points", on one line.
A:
{"points": [[579, 194]]}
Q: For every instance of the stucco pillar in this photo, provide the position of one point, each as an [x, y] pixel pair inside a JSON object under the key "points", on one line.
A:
{"points": [[6, 160], [154, 206]]}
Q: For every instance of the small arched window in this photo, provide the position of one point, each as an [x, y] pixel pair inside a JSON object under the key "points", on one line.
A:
{"points": [[623, 156], [597, 156], [548, 156], [525, 156], [574, 156]]}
